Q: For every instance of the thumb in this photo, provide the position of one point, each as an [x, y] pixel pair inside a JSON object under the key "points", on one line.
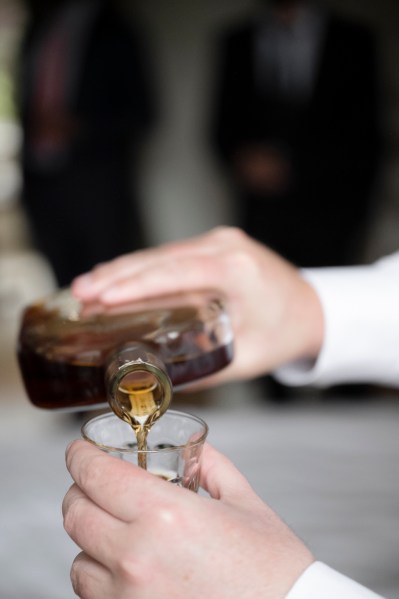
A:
{"points": [[220, 478]]}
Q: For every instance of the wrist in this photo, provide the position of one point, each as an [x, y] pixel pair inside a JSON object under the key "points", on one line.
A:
{"points": [[311, 322], [303, 331]]}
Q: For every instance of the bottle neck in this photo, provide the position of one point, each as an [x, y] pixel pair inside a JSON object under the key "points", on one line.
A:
{"points": [[139, 389]]}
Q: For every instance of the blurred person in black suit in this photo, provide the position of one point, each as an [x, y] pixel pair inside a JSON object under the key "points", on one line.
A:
{"points": [[295, 125], [86, 105]]}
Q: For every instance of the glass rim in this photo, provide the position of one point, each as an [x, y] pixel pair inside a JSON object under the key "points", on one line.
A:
{"points": [[135, 450]]}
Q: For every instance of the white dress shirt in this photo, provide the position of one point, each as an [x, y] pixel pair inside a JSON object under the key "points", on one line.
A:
{"points": [[322, 582], [361, 341], [361, 319]]}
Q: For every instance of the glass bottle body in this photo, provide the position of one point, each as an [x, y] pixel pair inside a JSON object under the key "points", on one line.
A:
{"points": [[65, 348]]}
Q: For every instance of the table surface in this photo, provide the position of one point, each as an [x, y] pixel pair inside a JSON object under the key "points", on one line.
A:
{"points": [[329, 468]]}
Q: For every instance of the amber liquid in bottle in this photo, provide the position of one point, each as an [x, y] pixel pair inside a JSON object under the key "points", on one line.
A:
{"points": [[63, 356]]}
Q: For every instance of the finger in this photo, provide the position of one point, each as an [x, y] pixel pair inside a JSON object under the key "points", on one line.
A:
{"points": [[94, 530], [120, 488], [127, 265], [91, 285], [165, 277], [90, 580], [209, 261], [220, 478]]}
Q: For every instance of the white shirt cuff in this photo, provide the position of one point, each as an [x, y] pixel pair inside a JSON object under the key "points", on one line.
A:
{"points": [[361, 340], [322, 582]]}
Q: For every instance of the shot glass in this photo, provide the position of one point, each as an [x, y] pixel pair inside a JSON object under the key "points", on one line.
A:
{"points": [[174, 444]]}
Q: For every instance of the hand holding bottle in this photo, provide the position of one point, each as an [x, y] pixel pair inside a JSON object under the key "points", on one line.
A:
{"points": [[276, 314]]}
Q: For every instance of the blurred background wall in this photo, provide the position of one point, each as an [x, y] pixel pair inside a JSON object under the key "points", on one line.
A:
{"points": [[183, 190]]}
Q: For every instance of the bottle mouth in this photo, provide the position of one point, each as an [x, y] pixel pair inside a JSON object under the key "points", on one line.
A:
{"points": [[140, 393]]}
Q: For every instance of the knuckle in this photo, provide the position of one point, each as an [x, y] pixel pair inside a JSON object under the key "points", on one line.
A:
{"points": [[66, 500], [158, 528], [71, 509], [79, 580], [91, 474], [238, 261], [231, 235], [166, 517], [134, 571], [71, 454]]}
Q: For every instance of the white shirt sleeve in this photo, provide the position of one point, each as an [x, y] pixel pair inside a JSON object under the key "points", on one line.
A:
{"points": [[361, 319], [322, 582]]}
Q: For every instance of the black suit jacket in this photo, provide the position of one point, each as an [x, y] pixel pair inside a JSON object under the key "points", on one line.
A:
{"points": [[85, 210], [332, 141]]}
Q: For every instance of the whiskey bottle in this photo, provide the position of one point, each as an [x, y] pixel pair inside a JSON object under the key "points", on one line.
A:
{"points": [[78, 356]]}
